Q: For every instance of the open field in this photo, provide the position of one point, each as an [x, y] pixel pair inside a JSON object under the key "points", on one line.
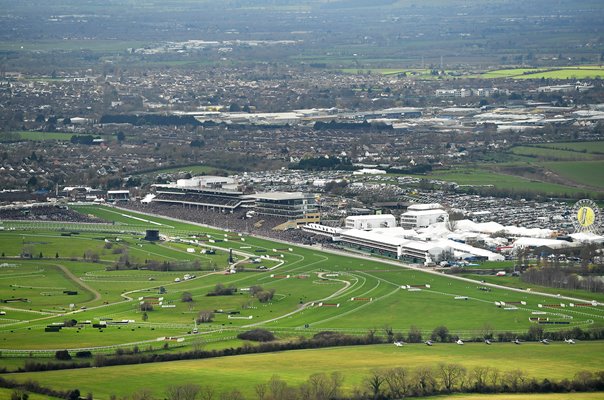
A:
{"points": [[578, 72], [355, 363], [43, 136], [590, 173], [482, 176], [587, 147], [551, 153]]}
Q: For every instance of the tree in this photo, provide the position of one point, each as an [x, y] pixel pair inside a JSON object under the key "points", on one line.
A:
{"points": [[478, 378], [19, 394], [73, 395], [451, 375], [143, 394], [425, 381], [414, 335], [62, 355], [374, 383], [514, 379], [186, 297], [441, 333], [120, 136], [205, 316], [323, 387], [399, 382], [146, 306], [187, 391], [145, 316]]}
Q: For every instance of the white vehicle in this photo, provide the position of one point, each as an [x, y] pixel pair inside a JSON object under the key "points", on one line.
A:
{"points": [[459, 341], [398, 344], [569, 341]]}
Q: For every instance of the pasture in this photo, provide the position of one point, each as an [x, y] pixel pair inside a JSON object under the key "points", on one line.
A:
{"points": [[556, 361], [573, 72]]}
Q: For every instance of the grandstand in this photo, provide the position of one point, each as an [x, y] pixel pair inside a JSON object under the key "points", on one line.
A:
{"points": [[293, 206], [216, 194]]}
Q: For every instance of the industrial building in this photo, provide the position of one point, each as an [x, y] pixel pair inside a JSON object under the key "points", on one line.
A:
{"points": [[423, 215], [370, 221]]}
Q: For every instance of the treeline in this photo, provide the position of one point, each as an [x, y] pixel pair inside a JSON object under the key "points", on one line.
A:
{"points": [[416, 169], [324, 163], [380, 384], [124, 263], [351, 126], [35, 387], [558, 277], [83, 139]]}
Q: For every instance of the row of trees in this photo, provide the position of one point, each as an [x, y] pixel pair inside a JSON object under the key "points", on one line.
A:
{"points": [[558, 277], [391, 383]]}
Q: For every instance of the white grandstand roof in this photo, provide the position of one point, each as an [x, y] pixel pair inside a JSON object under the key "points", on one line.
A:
{"points": [[422, 207], [281, 196]]}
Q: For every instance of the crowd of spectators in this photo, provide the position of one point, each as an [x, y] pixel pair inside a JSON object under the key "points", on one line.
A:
{"points": [[237, 221], [46, 213]]}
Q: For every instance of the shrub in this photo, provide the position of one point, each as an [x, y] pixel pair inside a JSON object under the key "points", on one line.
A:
{"points": [[62, 355], [257, 335]]}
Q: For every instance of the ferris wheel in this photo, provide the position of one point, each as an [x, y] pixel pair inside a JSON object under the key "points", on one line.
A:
{"points": [[586, 217]]}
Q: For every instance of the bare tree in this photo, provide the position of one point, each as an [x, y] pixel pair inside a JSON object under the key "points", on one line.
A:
{"points": [[261, 391], [205, 316], [207, 392], [323, 387], [142, 394], [451, 375], [425, 380], [187, 391], [232, 395], [514, 379], [374, 383], [399, 382]]}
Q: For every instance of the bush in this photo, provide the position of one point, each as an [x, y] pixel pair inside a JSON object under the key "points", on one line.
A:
{"points": [[257, 335], [84, 354], [62, 355]]}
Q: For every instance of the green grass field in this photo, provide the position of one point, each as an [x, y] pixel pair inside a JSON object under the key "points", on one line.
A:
{"points": [[578, 72], [355, 363], [551, 153], [482, 176], [587, 147], [42, 136], [590, 173]]}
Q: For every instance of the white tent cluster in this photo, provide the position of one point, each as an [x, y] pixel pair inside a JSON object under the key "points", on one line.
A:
{"points": [[463, 239]]}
